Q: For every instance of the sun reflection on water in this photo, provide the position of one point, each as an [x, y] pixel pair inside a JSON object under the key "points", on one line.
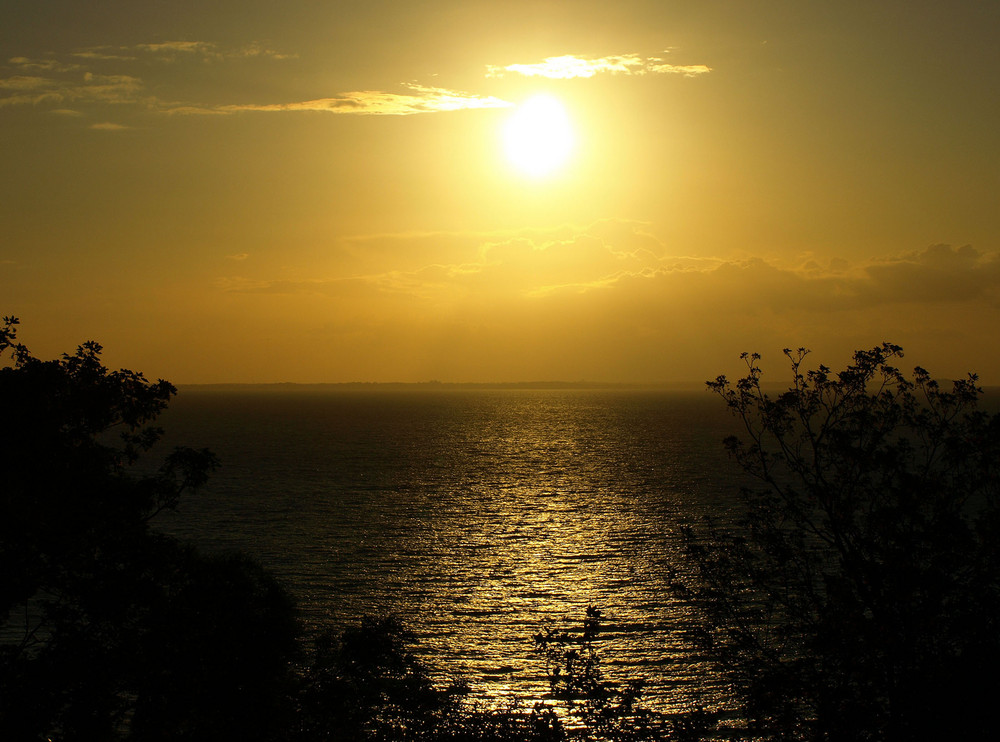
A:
{"points": [[480, 519]]}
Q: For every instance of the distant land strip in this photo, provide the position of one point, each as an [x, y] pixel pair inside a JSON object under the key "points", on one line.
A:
{"points": [[433, 386], [991, 398]]}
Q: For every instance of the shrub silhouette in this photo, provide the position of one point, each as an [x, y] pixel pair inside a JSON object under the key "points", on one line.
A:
{"points": [[602, 709], [366, 684], [109, 629], [859, 598]]}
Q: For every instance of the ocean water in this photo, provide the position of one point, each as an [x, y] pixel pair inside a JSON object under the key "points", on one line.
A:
{"points": [[478, 517]]}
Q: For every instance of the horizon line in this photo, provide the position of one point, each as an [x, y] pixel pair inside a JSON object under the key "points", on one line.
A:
{"points": [[435, 384]]}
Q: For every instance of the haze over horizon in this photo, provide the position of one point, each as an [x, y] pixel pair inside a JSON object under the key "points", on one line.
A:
{"points": [[636, 192]]}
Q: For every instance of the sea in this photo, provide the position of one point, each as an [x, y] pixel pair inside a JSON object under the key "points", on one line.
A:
{"points": [[479, 517]]}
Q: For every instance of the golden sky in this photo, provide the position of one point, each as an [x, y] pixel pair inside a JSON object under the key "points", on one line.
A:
{"points": [[251, 191]]}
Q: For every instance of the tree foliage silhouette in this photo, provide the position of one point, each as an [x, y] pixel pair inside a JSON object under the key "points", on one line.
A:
{"points": [[602, 709], [109, 629], [859, 597], [367, 685]]}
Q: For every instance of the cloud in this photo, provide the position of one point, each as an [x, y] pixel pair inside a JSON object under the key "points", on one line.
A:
{"points": [[623, 263], [936, 276], [608, 300], [94, 74], [169, 49], [42, 65], [54, 83], [24, 82], [509, 266], [104, 54], [173, 51], [58, 83], [422, 99], [107, 88], [569, 66], [35, 90], [27, 89], [345, 288], [186, 47], [688, 70], [939, 273], [108, 126], [256, 49]]}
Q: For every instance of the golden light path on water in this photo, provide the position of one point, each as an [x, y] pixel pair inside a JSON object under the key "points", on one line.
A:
{"points": [[478, 518]]}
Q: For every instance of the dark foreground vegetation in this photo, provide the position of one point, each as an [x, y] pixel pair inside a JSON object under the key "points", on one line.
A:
{"points": [[858, 599]]}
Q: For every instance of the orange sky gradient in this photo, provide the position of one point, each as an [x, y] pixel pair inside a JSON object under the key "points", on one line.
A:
{"points": [[260, 192]]}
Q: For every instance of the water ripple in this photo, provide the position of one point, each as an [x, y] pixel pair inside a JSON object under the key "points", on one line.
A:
{"points": [[478, 517]]}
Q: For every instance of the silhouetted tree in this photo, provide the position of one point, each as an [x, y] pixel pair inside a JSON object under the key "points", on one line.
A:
{"points": [[365, 684], [109, 629], [602, 709], [860, 596]]}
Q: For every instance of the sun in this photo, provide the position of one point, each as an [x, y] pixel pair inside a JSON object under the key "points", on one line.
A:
{"points": [[538, 137]]}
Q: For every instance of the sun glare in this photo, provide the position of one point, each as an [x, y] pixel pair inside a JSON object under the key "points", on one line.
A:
{"points": [[538, 137]]}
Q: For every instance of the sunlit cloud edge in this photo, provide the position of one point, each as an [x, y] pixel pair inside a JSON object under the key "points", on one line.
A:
{"points": [[937, 274], [569, 66]]}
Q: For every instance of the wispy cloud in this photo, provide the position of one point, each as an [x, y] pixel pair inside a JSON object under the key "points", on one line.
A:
{"points": [[507, 296], [108, 126], [173, 51], [36, 90], [30, 90], [93, 75], [42, 65], [613, 258], [939, 273], [569, 66], [104, 54], [421, 99], [202, 48], [54, 83]]}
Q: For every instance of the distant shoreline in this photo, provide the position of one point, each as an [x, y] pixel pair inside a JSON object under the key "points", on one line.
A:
{"points": [[992, 392], [435, 386]]}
